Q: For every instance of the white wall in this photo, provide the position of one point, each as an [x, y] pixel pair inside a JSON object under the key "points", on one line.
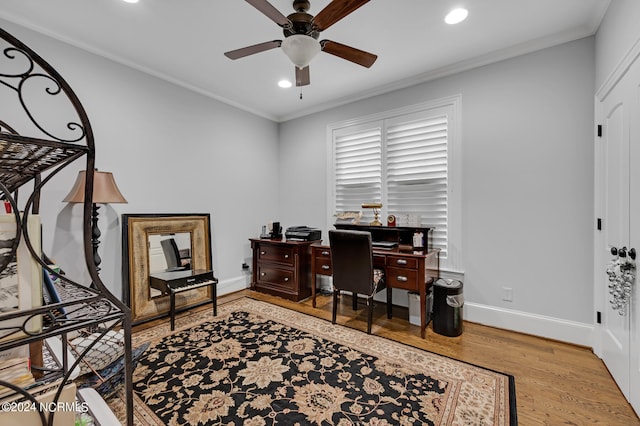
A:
{"points": [[527, 174], [171, 151], [527, 204]]}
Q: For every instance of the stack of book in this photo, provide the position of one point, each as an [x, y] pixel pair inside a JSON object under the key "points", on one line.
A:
{"points": [[16, 371]]}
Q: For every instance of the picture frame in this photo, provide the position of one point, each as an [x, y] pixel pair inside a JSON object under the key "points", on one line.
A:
{"points": [[137, 229], [21, 280]]}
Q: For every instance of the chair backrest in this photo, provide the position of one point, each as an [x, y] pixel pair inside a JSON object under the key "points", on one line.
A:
{"points": [[171, 253], [352, 261]]}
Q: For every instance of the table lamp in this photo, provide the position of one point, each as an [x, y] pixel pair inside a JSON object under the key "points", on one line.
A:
{"points": [[376, 209], [105, 191]]}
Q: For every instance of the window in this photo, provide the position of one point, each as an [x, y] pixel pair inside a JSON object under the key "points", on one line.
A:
{"points": [[407, 160]]}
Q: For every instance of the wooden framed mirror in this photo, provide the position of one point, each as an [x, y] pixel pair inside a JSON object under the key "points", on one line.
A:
{"points": [[157, 242]]}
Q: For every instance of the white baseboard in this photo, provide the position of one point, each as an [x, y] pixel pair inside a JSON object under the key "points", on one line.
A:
{"points": [[522, 322], [232, 285], [537, 325]]}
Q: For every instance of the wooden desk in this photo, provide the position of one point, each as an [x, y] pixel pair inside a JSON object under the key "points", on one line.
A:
{"points": [[402, 235], [411, 271]]}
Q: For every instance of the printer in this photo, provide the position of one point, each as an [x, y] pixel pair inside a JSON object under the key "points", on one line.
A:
{"points": [[302, 233]]}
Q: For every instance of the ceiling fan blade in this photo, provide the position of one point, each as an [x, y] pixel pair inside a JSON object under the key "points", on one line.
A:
{"points": [[250, 50], [302, 76], [349, 53], [335, 11], [270, 12]]}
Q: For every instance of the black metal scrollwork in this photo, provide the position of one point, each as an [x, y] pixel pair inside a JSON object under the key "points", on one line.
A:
{"points": [[32, 150], [27, 75]]}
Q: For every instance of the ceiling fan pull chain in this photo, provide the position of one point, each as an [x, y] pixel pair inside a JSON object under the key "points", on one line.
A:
{"points": [[300, 92]]}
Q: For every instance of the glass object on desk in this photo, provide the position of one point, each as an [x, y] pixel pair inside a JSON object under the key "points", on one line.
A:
{"points": [[418, 241]]}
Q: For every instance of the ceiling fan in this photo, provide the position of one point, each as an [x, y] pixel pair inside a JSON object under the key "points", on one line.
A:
{"points": [[301, 32]]}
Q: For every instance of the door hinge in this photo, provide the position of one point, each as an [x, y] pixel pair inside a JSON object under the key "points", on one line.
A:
{"points": [[599, 130], [599, 224], [599, 317]]}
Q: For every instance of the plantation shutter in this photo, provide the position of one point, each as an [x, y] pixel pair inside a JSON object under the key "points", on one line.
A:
{"points": [[408, 159], [416, 171], [357, 168]]}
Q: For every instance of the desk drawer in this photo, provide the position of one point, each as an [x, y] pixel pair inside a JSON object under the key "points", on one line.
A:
{"points": [[402, 262], [323, 266], [322, 252], [275, 276], [379, 261], [402, 278], [275, 253]]}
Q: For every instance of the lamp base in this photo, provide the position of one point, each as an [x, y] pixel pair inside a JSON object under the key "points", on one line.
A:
{"points": [[95, 237], [376, 221]]}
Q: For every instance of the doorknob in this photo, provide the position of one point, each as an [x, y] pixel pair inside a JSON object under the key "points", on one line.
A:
{"points": [[623, 252], [621, 272]]}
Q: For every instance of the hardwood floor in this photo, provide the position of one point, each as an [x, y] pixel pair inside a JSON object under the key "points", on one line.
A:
{"points": [[556, 383]]}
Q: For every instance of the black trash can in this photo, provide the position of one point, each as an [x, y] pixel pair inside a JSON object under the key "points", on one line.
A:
{"points": [[447, 307]]}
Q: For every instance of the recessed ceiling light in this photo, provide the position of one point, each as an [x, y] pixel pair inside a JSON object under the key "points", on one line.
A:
{"points": [[456, 16], [131, 1], [285, 84]]}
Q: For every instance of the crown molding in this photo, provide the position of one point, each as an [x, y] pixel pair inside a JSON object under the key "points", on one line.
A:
{"points": [[466, 65], [133, 65], [619, 71], [500, 55]]}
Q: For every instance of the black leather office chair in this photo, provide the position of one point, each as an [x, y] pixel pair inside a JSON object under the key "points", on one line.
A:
{"points": [[352, 264], [172, 254]]}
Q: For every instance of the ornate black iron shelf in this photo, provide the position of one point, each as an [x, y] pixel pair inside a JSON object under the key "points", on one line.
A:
{"points": [[29, 150], [22, 159]]}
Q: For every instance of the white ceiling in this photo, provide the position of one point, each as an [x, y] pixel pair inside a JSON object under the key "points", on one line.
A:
{"points": [[183, 41]]}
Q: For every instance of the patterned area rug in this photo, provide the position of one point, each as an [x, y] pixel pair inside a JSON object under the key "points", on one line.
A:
{"points": [[259, 364]]}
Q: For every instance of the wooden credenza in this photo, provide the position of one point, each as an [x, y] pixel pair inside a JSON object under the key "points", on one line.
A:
{"points": [[402, 235], [282, 268]]}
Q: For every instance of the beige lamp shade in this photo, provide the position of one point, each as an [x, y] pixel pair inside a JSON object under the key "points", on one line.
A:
{"points": [[105, 190]]}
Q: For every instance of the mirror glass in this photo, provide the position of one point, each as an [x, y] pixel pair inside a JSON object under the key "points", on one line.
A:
{"points": [[168, 252]]}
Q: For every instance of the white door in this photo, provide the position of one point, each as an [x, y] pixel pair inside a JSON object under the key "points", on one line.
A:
{"points": [[619, 207], [634, 230]]}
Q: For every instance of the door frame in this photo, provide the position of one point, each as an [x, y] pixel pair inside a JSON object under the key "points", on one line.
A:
{"points": [[599, 256]]}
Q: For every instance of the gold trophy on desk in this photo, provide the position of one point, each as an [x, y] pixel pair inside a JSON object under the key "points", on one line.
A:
{"points": [[376, 211]]}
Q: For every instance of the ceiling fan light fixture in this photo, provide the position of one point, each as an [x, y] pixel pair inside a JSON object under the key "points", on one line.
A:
{"points": [[300, 49], [456, 16]]}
